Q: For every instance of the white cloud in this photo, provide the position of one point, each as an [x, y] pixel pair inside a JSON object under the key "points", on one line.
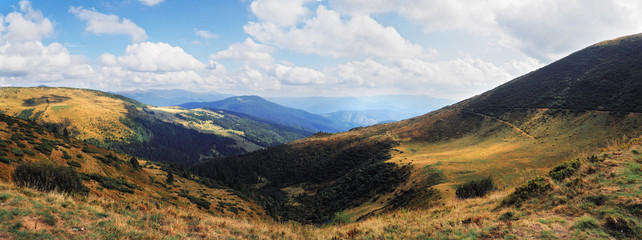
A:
{"points": [[328, 35], [550, 29], [108, 24], [455, 79], [248, 52], [150, 2], [153, 57], [545, 29], [205, 34], [280, 12], [23, 57], [25, 25], [298, 75]]}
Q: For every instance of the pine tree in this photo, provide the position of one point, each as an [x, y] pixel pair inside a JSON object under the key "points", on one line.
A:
{"points": [[134, 163], [170, 178]]}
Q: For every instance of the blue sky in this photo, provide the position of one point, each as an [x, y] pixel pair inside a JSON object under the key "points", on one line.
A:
{"points": [[450, 49]]}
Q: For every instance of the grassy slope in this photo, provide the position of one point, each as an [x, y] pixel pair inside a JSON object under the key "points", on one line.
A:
{"points": [[120, 123], [250, 131], [511, 133], [601, 200], [102, 208]]}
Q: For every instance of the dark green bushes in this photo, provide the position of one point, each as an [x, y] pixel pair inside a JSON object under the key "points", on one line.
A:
{"points": [[48, 178], [111, 183], [533, 187], [74, 164], [202, 203], [564, 170], [475, 188]]}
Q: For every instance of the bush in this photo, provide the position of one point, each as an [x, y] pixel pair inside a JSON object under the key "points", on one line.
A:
{"points": [[475, 188], [533, 187], [65, 155], [202, 203], [48, 178], [112, 183], [28, 152], [5, 160], [74, 164], [564, 170], [17, 152]]}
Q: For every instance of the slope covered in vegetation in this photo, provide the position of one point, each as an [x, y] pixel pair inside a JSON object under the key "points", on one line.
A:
{"points": [[473, 139], [123, 124], [91, 184]]}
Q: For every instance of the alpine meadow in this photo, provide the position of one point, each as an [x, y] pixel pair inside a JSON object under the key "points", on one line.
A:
{"points": [[272, 119]]}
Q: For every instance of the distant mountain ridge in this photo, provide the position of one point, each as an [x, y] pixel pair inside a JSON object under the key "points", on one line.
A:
{"points": [[173, 97], [395, 107], [259, 107]]}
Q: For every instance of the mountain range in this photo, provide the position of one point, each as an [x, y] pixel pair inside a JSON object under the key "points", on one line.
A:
{"points": [[514, 132], [555, 153]]}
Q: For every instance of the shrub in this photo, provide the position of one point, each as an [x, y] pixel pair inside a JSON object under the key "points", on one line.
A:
{"points": [[533, 187], [17, 152], [475, 188], [111, 183], [202, 203], [28, 152], [65, 155], [5, 160], [134, 164], [74, 164], [48, 178], [45, 147], [564, 170]]}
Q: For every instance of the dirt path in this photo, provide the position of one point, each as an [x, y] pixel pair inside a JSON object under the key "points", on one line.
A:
{"points": [[517, 129]]}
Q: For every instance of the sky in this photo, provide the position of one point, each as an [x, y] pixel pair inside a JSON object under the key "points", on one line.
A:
{"points": [[451, 49]]}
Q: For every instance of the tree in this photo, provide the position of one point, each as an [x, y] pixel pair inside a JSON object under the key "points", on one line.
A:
{"points": [[65, 133], [134, 163], [170, 178]]}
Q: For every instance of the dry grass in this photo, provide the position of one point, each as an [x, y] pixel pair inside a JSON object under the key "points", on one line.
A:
{"points": [[89, 115]]}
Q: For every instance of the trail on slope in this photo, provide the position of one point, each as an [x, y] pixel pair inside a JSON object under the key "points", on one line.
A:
{"points": [[517, 129]]}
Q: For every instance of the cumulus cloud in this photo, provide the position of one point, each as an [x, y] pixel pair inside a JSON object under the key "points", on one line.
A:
{"points": [[327, 34], [248, 52], [453, 79], [205, 34], [298, 75], [108, 24], [150, 2], [280, 12], [25, 25], [23, 57], [545, 29], [153, 57]]}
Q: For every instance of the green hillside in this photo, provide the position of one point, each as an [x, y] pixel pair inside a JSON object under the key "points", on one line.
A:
{"points": [[434, 153], [122, 124]]}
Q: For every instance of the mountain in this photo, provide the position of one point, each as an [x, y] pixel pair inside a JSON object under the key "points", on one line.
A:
{"points": [[249, 132], [396, 107], [579, 104], [259, 107], [172, 97], [352, 119], [51, 186], [159, 134], [596, 200]]}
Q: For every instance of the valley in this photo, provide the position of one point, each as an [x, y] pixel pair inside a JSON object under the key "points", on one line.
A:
{"points": [[561, 146]]}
